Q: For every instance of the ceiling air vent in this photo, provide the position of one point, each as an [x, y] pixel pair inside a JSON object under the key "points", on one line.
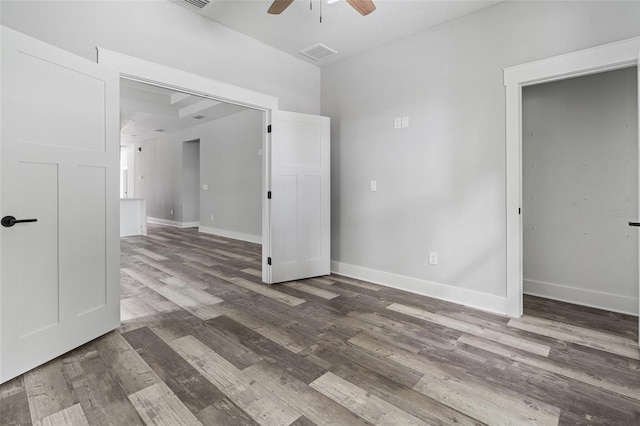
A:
{"points": [[200, 4], [317, 52], [198, 117]]}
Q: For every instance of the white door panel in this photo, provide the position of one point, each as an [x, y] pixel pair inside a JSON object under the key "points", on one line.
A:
{"points": [[300, 204], [59, 280]]}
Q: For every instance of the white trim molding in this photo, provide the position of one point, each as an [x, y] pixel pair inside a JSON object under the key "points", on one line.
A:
{"points": [[231, 234], [173, 223], [608, 57], [160, 75], [462, 296], [594, 299]]}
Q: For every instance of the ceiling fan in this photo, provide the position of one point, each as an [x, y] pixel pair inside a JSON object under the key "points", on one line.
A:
{"points": [[364, 7]]}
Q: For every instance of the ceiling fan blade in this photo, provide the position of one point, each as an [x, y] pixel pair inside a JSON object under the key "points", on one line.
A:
{"points": [[365, 7], [278, 6]]}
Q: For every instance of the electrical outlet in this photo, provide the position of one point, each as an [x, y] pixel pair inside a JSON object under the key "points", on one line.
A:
{"points": [[211, 217], [433, 258], [171, 212], [205, 187], [405, 122], [397, 123], [373, 186]]}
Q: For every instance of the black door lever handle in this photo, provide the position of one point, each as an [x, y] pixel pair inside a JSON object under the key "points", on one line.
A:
{"points": [[9, 221], [634, 223]]}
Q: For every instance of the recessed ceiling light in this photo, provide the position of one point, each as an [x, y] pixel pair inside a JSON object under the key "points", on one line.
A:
{"points": [[159, 130]]}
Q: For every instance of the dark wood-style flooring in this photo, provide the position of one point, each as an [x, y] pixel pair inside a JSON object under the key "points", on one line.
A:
{"points": [[202, 341]]}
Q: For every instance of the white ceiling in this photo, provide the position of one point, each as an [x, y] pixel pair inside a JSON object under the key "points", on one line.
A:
{"points": [[148, 111], [342, 28]]}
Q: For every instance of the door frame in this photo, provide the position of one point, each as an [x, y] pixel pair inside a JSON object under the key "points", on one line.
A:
{"points": [[171, 78], [608, 57]]}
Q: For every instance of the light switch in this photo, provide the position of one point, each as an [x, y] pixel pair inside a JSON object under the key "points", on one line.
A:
{"points": [[397, 123], [405, 122], [373, 185], [205, 187]]}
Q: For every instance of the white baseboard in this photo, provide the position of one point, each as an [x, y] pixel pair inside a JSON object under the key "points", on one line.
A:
{"points": [[231, 234], [190, 224], [593, 299], [471, 298], [173, 223]]}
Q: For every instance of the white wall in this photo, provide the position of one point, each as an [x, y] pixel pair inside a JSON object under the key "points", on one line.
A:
{"points": [[165, 33], [441, 182], [232, 168], [229, 165], [159, 176], [191, 182], [580, 190]]}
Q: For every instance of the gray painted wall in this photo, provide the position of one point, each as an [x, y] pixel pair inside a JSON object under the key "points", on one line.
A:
{"points": [[232, 168], [441, 182], [191, 181], [228, 163], [165, 33], [580, 190], [159, 176]]}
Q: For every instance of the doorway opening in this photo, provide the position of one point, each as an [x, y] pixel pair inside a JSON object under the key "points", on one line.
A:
{"points": [[197, 161], [580, 190], [608, 57]]}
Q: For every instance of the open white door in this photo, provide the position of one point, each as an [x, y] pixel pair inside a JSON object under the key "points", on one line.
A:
{"points": [[300, 232], [59, 280]]}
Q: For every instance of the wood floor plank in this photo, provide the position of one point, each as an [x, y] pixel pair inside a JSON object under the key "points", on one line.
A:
{"points": [[405, 398], [198, 302], [371, 408], [152, 255], [578, 335], [125, 365], [285, 359], [48, 391], [254, 272], [316, 291], [479, 401], [279, 336], [145, 279], [186, 382], [355, 283], [72, 416], [267, 291], [14, 404], [158, 405], [315, 406], [102, 400], [133, 308], [631, 390], [475, 330], [263, 406]]}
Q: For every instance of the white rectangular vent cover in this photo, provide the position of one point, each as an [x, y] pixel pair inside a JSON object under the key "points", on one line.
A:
{"points": [[317, 52], [200, 4]]}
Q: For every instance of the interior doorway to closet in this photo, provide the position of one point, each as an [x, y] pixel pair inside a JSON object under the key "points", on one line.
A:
{"points": [[580, 190]]}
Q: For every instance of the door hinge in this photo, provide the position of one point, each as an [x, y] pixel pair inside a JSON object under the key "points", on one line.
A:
{"points": [[268, 261], [269, 128], [269, 195], [519, 210]]}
